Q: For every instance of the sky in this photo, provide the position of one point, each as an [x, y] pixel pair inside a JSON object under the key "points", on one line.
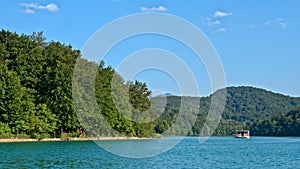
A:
{"points": [[257, 41]]}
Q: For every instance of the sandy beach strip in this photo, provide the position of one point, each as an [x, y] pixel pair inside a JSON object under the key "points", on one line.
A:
{"points": [[11, 140]]}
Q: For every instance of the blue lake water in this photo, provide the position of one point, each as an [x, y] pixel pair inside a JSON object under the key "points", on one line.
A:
{"points": [[216, 152]]}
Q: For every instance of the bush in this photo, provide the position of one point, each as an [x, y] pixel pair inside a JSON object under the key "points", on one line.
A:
{"points": [[5, 131], [24, 136], [42, 136], [74, 134], [67, 135]]}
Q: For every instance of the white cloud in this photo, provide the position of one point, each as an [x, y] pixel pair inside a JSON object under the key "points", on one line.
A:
{"points": [[31, 7], [280, 22], [208, 19], [221, 30], [268, 23], [154, 9], [220, 14], [29, 11], [214, 23]]}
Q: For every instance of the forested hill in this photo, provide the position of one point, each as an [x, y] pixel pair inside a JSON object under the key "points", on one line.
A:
{"points": [[279, 125], [36, 99], [244, 105], [249, 103]]}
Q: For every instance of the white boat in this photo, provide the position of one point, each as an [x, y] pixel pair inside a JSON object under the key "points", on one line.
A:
{"points": [[242, 134]]}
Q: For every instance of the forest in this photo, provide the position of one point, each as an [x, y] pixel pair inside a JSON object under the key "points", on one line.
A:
{"points": [[37, 91], [279, 125]]}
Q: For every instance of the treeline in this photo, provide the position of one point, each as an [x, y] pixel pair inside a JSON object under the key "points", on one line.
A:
{"points": [[249, 103], [245, 107], [40, 98], [120, 104], [280, 125], [36, 90], [35, 86]]}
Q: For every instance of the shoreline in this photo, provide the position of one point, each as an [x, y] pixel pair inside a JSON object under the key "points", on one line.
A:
{"points": [[106, 138], [17, 140]]}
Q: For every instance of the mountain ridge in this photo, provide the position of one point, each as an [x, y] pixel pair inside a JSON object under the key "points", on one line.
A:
{"points": [[244, 105]]}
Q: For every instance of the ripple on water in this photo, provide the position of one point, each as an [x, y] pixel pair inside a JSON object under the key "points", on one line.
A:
{"points": [[216, 152]]}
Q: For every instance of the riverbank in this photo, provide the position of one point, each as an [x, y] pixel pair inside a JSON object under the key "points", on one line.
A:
{"points": [[11, 140]]}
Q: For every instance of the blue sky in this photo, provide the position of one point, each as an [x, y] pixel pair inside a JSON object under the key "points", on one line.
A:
{"points": [[257, 41]]}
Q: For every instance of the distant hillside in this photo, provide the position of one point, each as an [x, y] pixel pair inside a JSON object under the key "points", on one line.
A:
{"points": [[164, 95], [279, 125], [249, 103], [244, 105]]}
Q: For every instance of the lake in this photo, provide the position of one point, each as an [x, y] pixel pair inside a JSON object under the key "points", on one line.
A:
{"points": [[216, 152]]}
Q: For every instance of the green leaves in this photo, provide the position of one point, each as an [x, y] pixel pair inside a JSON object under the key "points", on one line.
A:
{"points": [[280, 125], [35, 87], [139, 95]]}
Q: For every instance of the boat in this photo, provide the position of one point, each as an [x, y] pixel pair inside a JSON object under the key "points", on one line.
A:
{"points": [[242, 134]]}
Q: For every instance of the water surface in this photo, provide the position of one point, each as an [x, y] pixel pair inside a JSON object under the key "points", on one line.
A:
{"points": [[216, 152]]}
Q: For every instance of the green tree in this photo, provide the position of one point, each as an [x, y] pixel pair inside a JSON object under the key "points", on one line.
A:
{"points": [[56, 86]]}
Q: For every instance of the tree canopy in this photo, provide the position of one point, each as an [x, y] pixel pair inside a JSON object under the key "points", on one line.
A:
{"points": [[36, 90]]}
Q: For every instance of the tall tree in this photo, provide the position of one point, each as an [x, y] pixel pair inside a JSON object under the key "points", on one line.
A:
{"points": [[56, 87]]}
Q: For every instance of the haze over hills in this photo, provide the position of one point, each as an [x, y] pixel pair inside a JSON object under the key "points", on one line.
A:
{"points": [[164, 95]]}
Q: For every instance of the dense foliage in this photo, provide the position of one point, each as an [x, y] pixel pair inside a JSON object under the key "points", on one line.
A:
{"points": [[280, 125], [37, 99], [36, 92], [35, 86], [244, 106], [249, 103]]}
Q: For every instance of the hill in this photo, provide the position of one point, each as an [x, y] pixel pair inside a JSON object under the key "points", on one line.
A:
{"points": [[244, 105], [250, 103], [279, 125]]}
